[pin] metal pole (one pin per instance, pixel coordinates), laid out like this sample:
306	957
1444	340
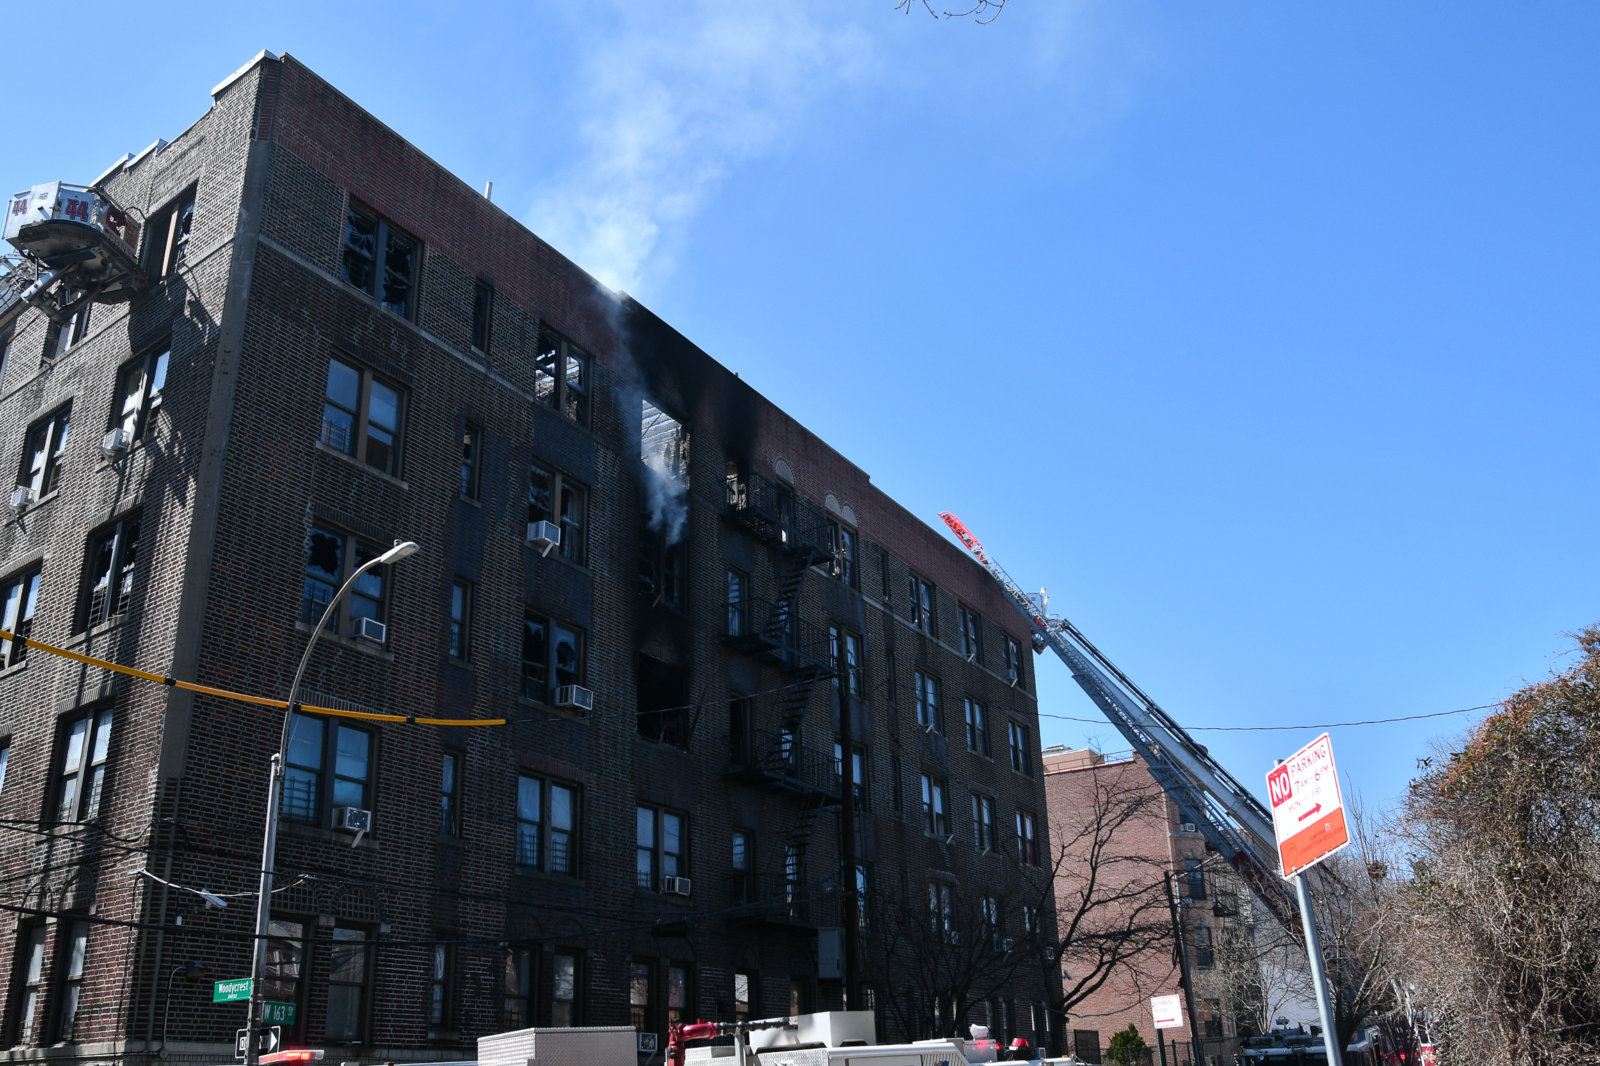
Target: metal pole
1161	1045
269	836
1319	980
1183	964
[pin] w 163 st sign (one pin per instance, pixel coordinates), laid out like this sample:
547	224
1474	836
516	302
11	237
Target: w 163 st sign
1307	811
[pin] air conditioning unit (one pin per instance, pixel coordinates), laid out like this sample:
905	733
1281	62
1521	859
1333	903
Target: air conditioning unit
1188	827
1004	943
544	536
675	886
114	445
575	696
647	1043
372	629
352	819
21	496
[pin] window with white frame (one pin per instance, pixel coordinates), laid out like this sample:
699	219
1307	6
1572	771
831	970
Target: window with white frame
927	696
547	825
43	452
20	597
1021	759
977	727
381	260
361	416
982	821
81	775
557	498
1027	839
662	840
330	765
348	974
921	595
935	813
971	636
140	384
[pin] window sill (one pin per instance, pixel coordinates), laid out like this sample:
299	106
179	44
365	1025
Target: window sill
399	483
554	711
335	836
36	504
14	668
575	880
100	628
350	643
555	556
471	501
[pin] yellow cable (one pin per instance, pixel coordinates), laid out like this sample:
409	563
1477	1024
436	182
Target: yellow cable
207	690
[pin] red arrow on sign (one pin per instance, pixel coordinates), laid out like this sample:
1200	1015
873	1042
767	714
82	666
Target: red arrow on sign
1309	813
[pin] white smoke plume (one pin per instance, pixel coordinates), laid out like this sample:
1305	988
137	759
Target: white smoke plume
675	97
662	446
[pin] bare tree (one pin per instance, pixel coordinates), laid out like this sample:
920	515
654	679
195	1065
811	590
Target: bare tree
981	11
1112	917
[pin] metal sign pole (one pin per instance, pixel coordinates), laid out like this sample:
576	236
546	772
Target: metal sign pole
1319	979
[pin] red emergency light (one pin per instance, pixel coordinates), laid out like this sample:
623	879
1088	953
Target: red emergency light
298	1055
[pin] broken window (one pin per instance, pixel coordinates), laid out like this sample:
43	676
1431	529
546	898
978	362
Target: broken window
166	241
561	376
552	656
380	260
664	458
108	578
663	702
842	542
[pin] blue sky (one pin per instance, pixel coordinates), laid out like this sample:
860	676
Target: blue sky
1262	334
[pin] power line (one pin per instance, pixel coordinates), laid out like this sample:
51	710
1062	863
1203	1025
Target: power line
1283	728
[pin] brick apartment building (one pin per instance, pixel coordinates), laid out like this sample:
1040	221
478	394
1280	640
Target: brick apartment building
1144	841
341	345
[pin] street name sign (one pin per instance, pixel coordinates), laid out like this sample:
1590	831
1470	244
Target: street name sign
235	990
1307	810
277	1013
1168	1011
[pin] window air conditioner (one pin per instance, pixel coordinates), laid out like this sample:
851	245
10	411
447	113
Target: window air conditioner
372	629
21	497
544	536
675	886
1003	944
575	696
114	445
647	1043
352	819
1188	827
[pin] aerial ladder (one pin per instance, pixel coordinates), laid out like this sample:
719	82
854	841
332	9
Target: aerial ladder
1233	821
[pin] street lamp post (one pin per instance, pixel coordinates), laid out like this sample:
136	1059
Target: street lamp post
269	837
192	971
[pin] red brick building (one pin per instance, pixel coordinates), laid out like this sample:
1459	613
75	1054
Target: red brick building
644	566
1143	841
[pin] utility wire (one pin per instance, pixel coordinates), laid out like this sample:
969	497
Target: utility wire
264	701
1280	728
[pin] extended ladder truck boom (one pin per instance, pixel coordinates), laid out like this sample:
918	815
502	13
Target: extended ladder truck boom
1232	820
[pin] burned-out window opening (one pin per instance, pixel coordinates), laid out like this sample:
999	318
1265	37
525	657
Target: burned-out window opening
482	312
65	334
381	260
664	460
166	236
108	575
664	712
331	557
561	376
552	656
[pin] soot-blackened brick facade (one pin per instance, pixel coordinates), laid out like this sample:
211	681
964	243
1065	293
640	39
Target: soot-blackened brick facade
674	850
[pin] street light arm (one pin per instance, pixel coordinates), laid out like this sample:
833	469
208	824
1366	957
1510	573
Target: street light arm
269	843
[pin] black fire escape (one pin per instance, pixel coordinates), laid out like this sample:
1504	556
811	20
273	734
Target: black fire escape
768	749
